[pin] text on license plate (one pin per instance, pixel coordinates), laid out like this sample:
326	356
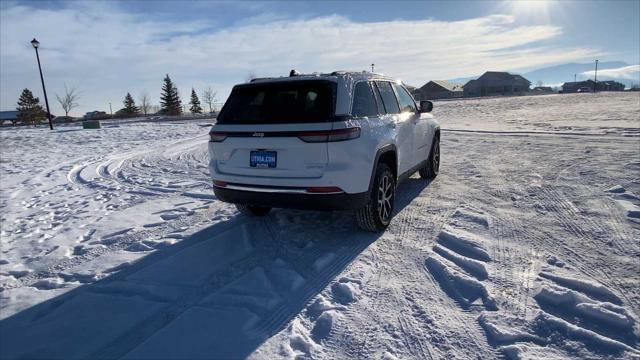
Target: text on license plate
263	159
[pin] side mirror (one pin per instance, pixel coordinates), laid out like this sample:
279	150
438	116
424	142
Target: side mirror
426	106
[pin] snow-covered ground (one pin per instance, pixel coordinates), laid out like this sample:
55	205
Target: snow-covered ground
527	245
585	113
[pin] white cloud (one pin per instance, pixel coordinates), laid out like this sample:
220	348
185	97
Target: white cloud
106	52
631	72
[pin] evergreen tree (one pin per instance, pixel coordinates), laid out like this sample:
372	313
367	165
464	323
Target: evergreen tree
29	109
195	103
170	103
130	107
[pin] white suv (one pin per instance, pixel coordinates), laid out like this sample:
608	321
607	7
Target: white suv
322	142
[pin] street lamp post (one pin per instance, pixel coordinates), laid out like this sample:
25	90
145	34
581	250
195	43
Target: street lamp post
372	65
595	79
35	43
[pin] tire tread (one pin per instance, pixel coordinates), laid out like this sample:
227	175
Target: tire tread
366	217
426	172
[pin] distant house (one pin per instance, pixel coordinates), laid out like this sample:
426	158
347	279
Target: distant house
11	116
494	83
438	89
410	88
542	90
608	85
95	115
573	86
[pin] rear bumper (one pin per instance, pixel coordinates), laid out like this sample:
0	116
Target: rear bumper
340	201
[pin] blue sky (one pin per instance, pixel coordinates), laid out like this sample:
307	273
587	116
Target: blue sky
106	49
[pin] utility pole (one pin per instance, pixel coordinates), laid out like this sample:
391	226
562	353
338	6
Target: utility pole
574	77
110	110
595	78
372	65
35	43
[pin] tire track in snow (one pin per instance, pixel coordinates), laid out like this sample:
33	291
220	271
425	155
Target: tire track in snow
114	169
622	237
121	242
452	310
565	213
428	228
355	338
505	227
559	209
425	350
263	254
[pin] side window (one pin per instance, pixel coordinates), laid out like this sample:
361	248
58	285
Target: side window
363	101
406	101
376	93
388	97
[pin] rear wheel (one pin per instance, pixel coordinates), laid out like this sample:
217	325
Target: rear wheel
251	210
432	167
376	215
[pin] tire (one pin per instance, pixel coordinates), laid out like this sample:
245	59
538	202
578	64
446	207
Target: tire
250	210
432	168
376	215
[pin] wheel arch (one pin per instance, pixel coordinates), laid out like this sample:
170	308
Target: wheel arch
387	154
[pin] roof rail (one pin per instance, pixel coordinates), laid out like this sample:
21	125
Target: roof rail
262	78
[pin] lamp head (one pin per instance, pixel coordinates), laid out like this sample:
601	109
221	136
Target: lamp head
35	43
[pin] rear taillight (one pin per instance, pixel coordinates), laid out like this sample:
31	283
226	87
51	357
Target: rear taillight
330	135
324	189
217	136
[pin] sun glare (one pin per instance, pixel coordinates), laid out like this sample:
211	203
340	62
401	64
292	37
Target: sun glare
534	9
531	4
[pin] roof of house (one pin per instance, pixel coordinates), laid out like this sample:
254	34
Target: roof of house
590	81
498	76
611	82
409	87
446	84
470	83
578	83
8	115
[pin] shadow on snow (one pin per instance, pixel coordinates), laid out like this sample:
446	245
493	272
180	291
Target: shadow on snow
219	293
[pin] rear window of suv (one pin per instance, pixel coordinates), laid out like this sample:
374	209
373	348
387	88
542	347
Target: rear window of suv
279	103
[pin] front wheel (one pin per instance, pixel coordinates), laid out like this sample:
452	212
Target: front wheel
253	210
376	215
432	167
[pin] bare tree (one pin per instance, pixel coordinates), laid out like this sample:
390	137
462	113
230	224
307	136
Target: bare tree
539	83
69	100
250	76
209	97
144	102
